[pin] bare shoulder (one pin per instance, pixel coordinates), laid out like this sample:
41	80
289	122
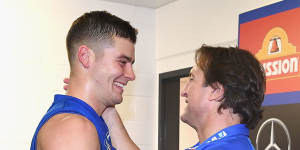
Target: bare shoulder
68	131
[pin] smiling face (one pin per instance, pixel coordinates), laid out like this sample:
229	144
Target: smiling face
112	70
197	97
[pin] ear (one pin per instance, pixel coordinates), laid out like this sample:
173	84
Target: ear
84	55
217	92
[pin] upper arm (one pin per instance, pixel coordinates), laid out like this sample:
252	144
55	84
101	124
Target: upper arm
68	132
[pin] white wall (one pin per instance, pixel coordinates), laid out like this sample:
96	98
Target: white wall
184	25
34	62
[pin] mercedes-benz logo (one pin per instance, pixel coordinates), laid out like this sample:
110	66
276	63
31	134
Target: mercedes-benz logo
272	143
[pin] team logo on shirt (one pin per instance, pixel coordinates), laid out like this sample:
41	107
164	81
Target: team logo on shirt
269	125
279	57
218	136
107	141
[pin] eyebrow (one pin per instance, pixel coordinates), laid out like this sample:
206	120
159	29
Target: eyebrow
129	59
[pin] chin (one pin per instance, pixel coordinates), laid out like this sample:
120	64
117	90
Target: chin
118	101
183	118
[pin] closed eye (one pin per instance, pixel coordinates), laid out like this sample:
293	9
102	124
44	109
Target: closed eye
191	77
123	62
126	59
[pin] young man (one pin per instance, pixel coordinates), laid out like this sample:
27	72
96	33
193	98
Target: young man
101	54
224	97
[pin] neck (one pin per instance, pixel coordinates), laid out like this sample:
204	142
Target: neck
79	87
216	123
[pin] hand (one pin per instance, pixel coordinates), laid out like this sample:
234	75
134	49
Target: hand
66	81
119	137
110	116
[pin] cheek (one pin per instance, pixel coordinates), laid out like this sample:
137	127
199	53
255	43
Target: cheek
116	69
109	72
192	105
195	100
193	94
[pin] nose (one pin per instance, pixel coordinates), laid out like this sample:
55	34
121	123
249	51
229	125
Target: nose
183	93
129	73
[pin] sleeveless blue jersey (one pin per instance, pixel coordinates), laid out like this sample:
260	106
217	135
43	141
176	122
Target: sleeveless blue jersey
69	104
231	138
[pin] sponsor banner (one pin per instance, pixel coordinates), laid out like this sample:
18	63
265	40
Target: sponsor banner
278	128
272	34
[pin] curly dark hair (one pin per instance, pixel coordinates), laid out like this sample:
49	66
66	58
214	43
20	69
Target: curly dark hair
242	77
97	26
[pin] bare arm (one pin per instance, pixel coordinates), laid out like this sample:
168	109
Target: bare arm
68	131
119	136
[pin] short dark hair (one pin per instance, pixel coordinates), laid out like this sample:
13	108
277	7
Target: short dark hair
97	26
242	77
